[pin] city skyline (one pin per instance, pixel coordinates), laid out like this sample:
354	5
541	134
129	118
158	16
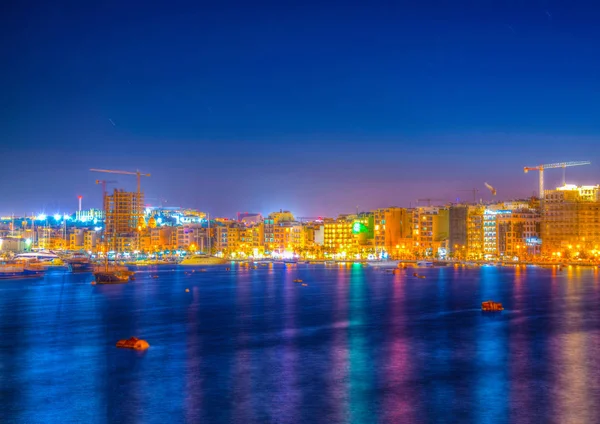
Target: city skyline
334	107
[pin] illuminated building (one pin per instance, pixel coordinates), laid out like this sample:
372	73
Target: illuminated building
571	220
121	224
518	233
348	234
392	229
475	232
288	236
274	219
89	215
457	228
313	234
490	247
430	229
250	218
76	239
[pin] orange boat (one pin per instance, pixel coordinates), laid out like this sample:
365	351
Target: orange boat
133	343
491	306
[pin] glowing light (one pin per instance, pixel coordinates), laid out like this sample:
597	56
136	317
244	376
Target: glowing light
57	217
66	217
41	217
28	242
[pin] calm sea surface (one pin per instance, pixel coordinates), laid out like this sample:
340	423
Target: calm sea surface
356	345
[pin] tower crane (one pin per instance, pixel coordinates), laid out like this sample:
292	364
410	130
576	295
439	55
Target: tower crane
103	183
541	169
138	174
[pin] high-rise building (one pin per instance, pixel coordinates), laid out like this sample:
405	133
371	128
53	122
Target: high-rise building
571	220
457	242
475	232
430	229
348	234
392	229
122	211
518	233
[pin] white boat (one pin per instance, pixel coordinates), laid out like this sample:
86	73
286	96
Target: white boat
424	263
40	255
383	264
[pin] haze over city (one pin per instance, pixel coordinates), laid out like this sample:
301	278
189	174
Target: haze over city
237	106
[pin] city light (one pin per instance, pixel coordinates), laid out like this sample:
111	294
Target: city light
41	217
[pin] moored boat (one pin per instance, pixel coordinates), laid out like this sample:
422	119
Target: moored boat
79	262
15	271
383	264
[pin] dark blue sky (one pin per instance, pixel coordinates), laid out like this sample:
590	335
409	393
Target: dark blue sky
317	108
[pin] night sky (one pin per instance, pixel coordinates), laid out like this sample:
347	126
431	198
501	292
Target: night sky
316	108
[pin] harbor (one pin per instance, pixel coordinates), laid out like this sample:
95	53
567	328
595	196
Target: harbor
346	338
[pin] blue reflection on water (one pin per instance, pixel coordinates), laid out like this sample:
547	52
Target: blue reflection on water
353	345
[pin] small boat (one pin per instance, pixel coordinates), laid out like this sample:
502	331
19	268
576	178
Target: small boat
418	276
424	263
15	271
297	280
79	262
491	306
383	264
112	277
133	343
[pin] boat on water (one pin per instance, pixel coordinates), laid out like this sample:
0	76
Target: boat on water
203	260
425	263
148	262
16	270
79	262
112	277
491	306
383	264
40	259
39	255
112	274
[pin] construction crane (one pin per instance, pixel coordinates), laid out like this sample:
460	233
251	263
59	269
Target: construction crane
138	174
541	168
429	201
103	183
491	189
474	191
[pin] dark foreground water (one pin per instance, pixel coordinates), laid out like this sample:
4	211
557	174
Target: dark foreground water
354	346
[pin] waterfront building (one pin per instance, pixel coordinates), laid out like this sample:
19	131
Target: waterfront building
475	232
392	227
349	235
517	233
458	232
490	246
122	222
571	221
430	229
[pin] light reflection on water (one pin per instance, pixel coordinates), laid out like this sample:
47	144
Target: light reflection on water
354	345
